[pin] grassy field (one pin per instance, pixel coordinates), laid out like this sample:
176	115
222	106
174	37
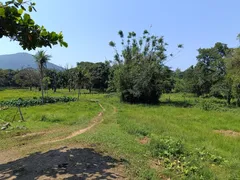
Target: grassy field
178	138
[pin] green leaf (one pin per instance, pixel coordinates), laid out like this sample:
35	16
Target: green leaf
20	11
65	44
20	1
2	12
26	17
31	22
112	44
44	33
29	8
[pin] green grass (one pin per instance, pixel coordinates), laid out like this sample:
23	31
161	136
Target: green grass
194	127
67	117
181	118
8	94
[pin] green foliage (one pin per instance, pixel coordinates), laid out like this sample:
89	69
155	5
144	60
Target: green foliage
207	105
18	25
165	147
141	76
35	101
233	73
176	158
98	75
27	78
7	78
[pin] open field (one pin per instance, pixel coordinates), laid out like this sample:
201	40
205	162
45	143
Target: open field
202	141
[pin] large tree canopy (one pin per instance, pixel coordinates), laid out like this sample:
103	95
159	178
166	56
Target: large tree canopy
141	76
17	24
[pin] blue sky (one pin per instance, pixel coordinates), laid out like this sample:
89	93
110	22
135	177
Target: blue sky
88	26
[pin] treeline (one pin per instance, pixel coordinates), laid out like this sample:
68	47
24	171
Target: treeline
217	73
86	75
140	75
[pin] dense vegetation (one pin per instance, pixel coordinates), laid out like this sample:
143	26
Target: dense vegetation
143	77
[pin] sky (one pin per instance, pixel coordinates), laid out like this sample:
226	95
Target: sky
89	25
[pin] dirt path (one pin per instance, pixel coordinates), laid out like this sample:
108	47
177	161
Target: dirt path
72	162
94	122
76	161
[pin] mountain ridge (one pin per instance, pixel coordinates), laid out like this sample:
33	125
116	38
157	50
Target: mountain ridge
23	60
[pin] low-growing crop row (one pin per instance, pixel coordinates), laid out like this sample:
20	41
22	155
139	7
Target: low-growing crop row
35	101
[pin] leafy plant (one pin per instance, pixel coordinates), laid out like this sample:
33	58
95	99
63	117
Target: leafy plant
34	102
175	157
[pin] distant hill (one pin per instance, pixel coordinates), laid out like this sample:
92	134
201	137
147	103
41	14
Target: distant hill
21	61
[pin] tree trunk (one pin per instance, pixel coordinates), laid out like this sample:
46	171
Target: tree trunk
229	97
78	93
238	102
41	83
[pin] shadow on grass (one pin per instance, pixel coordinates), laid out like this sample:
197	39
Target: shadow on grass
176	104
62	163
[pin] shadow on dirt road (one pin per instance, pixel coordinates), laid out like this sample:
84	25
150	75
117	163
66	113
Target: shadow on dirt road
64	163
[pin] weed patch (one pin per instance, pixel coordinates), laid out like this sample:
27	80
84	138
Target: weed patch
175	157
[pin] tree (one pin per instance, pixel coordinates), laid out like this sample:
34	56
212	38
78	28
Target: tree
18	25
42	58
98	75
27	78
233	73
7	78
53	78
46	82
81	78
178	81
211	67
141	76
190	78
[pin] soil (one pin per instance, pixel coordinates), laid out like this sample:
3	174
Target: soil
96	120
64	163
229	133
73	162
144	140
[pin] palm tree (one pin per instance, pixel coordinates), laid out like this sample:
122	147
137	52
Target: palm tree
42	58
81	78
